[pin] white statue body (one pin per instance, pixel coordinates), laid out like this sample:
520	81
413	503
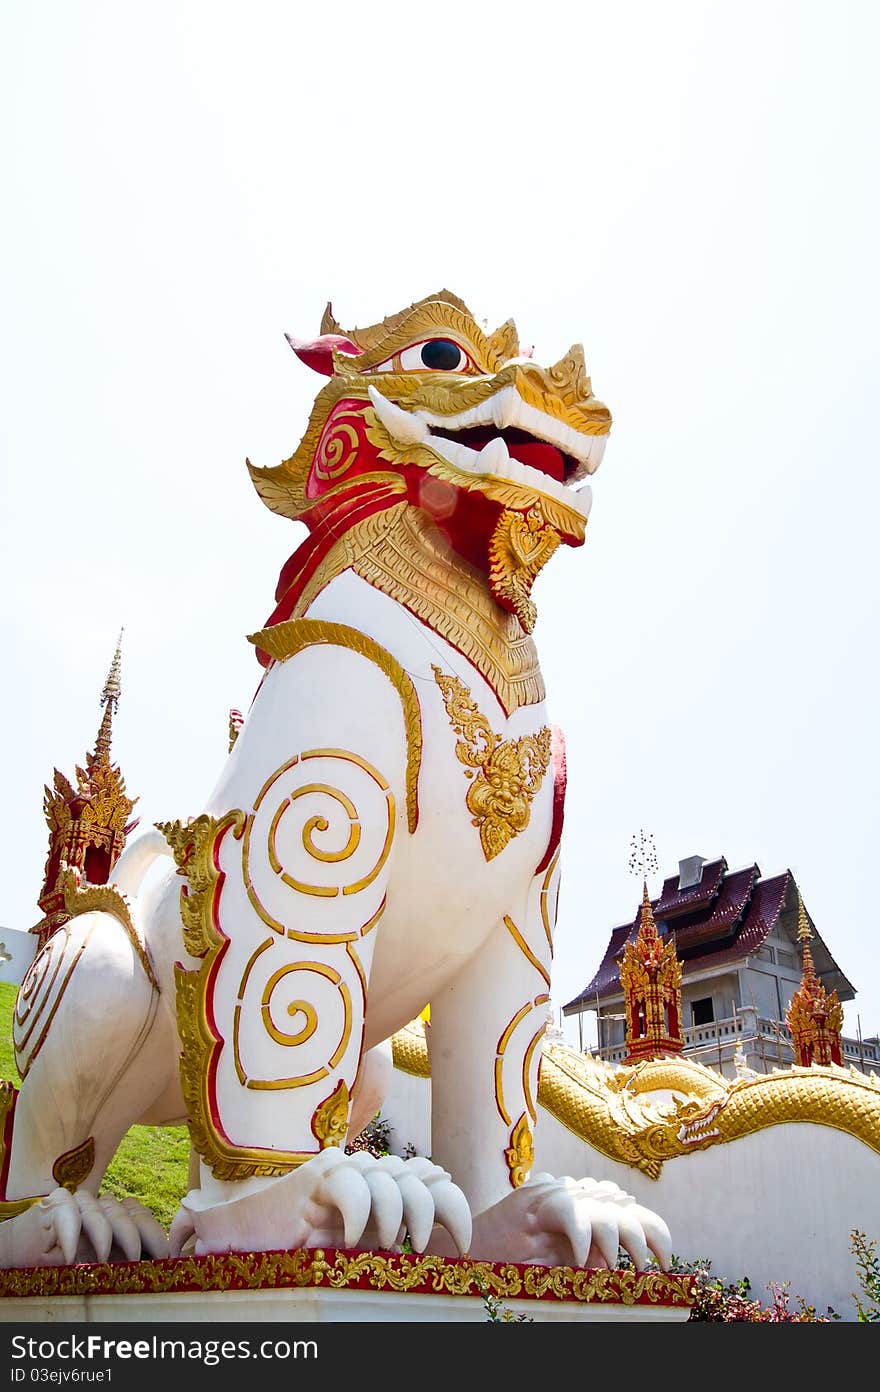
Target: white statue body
383	837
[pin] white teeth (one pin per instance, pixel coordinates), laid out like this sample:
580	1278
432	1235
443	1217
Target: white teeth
454	453
507	409
584	499
404	427
597	449
494	457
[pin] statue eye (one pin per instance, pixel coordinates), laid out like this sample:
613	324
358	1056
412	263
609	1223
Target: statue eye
435	355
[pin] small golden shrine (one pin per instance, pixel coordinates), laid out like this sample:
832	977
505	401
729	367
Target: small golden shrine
88	825
650	975
814	1015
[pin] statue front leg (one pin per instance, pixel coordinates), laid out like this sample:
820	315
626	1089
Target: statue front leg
283	899
485	1044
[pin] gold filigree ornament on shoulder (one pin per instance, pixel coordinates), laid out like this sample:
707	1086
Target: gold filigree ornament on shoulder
505	774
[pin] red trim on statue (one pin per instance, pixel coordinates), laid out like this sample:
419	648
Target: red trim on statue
560	776
6	1142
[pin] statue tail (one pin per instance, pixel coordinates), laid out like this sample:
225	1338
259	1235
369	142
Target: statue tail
137	858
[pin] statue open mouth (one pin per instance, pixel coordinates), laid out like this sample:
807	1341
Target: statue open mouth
503	438
532	453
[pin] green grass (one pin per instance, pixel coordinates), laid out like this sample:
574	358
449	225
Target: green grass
151	1162
151	1165
8	1069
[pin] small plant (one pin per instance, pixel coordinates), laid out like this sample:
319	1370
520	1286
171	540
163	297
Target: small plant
375	1138
868	1271
496	1311
717	1301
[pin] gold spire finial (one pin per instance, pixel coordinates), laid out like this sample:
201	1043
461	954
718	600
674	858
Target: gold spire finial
804	931
110	694
647	924
804	935
113	685
814	1015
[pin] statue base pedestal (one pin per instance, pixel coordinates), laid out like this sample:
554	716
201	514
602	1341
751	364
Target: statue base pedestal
319	1285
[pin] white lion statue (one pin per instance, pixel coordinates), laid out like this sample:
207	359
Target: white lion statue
383	837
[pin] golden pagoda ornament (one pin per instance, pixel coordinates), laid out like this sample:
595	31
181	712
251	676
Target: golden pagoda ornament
88	824
650	975
814	1015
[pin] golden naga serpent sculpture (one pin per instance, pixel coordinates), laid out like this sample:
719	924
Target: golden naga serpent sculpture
617	1112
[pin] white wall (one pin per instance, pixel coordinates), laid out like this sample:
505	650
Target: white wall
778	1205
17	949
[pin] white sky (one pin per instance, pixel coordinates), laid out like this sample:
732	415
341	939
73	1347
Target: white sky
690	190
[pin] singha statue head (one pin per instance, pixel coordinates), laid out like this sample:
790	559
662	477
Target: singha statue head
429	409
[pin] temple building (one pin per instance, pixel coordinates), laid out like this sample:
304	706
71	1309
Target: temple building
757	989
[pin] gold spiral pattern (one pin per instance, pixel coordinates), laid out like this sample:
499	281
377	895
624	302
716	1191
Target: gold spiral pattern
321	824
316	829
285	994
337	450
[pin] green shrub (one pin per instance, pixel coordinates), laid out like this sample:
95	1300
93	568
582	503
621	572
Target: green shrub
868	1273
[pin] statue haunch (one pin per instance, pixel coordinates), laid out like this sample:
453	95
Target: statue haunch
384	836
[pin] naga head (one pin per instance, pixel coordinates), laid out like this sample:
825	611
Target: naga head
428	408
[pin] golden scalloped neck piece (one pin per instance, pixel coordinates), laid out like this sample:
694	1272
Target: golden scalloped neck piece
401	552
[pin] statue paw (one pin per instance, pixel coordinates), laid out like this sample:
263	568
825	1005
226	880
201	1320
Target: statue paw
64	1228
353	1201
565	1222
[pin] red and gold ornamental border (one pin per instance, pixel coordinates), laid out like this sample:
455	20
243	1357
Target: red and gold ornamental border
365	1271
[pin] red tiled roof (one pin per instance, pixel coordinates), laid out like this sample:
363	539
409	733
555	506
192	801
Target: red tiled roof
607	978
723	916
674	901
766	905
736	917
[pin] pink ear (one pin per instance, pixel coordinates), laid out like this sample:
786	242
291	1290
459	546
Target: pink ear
317	353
